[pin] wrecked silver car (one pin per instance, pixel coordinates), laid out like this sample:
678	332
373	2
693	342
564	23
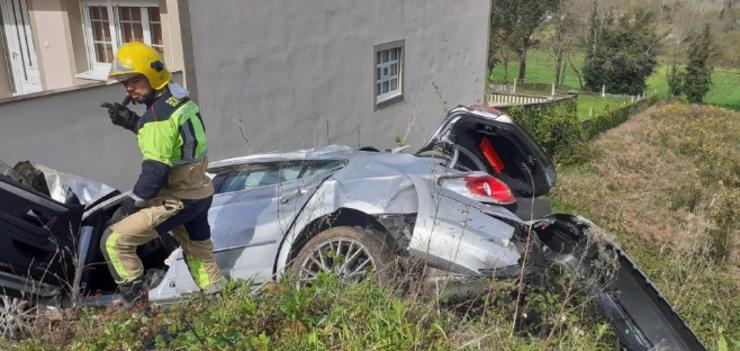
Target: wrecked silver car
464	204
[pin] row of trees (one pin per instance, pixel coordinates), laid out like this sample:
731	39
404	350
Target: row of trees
621	40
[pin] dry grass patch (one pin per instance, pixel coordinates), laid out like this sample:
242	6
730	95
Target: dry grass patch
666	182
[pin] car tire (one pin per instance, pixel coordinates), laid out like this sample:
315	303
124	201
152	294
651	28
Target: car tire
351	253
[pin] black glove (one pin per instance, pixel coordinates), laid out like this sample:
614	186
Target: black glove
120	115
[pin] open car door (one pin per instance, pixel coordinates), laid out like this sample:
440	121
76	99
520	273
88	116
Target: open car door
37	236
483	139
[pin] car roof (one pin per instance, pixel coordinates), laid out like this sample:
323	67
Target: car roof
328	152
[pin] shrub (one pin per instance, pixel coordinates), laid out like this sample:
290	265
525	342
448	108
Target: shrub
614	117
553	125
698	78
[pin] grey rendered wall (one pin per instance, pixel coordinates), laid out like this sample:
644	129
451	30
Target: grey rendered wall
280	74
69	131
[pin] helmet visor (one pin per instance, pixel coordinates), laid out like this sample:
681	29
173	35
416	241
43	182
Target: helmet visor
121	72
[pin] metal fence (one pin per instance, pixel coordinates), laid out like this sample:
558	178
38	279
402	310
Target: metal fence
499	99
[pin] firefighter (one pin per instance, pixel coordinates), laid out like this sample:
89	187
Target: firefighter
172	193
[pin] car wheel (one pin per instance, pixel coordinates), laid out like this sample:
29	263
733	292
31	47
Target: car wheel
351	253
17	317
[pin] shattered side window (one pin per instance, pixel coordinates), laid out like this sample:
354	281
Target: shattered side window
322	166
264	174
261	174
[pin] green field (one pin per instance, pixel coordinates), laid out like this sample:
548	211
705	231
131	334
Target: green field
598	103
725	90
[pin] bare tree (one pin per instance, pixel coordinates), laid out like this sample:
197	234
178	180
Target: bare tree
515	21
560	37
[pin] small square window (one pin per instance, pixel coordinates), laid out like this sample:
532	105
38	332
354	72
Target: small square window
388	72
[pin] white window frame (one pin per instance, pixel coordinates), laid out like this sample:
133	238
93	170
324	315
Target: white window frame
98	70
382	73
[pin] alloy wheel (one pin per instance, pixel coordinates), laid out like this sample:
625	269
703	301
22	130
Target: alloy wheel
349	259
17	317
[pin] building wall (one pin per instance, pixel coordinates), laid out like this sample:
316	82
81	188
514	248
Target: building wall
281	75
60	43
171	34
53	41
273	75
69	131
5	84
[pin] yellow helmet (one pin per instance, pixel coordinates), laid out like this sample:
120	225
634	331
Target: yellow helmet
138	58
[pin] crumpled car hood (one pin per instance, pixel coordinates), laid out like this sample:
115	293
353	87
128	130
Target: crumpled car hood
62	184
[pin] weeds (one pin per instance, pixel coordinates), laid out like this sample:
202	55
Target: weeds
665	182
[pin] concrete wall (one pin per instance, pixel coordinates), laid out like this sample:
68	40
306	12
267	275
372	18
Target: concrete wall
286	74
69	131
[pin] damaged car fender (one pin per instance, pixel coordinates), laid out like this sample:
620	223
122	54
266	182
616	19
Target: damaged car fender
460	235
388	193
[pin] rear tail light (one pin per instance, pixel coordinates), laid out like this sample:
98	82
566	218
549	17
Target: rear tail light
481	187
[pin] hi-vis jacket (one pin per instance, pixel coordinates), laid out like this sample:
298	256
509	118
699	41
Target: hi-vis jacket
172	140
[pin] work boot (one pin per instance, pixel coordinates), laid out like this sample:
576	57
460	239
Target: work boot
216	287
131	293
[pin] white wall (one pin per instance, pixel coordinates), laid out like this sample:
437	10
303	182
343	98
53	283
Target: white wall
284	70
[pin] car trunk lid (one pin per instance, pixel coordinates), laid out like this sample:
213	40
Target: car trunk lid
484	139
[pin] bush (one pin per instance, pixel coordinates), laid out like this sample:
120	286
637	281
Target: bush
698	78
612	118
554	125
711	141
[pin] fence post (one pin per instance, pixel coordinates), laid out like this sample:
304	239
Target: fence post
516	82
603	90
553	89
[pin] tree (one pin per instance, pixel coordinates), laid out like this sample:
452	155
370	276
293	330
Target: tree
622	52
514	22
560	35
698	71
675	79
500	52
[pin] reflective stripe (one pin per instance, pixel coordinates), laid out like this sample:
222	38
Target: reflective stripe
200	118
198	271
110	246
189	142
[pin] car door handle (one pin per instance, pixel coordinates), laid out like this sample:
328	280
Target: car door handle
287	198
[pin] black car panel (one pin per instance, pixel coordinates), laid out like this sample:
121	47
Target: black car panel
36	233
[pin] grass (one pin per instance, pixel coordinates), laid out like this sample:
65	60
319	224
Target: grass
667	185
599	104
540	68
725	90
